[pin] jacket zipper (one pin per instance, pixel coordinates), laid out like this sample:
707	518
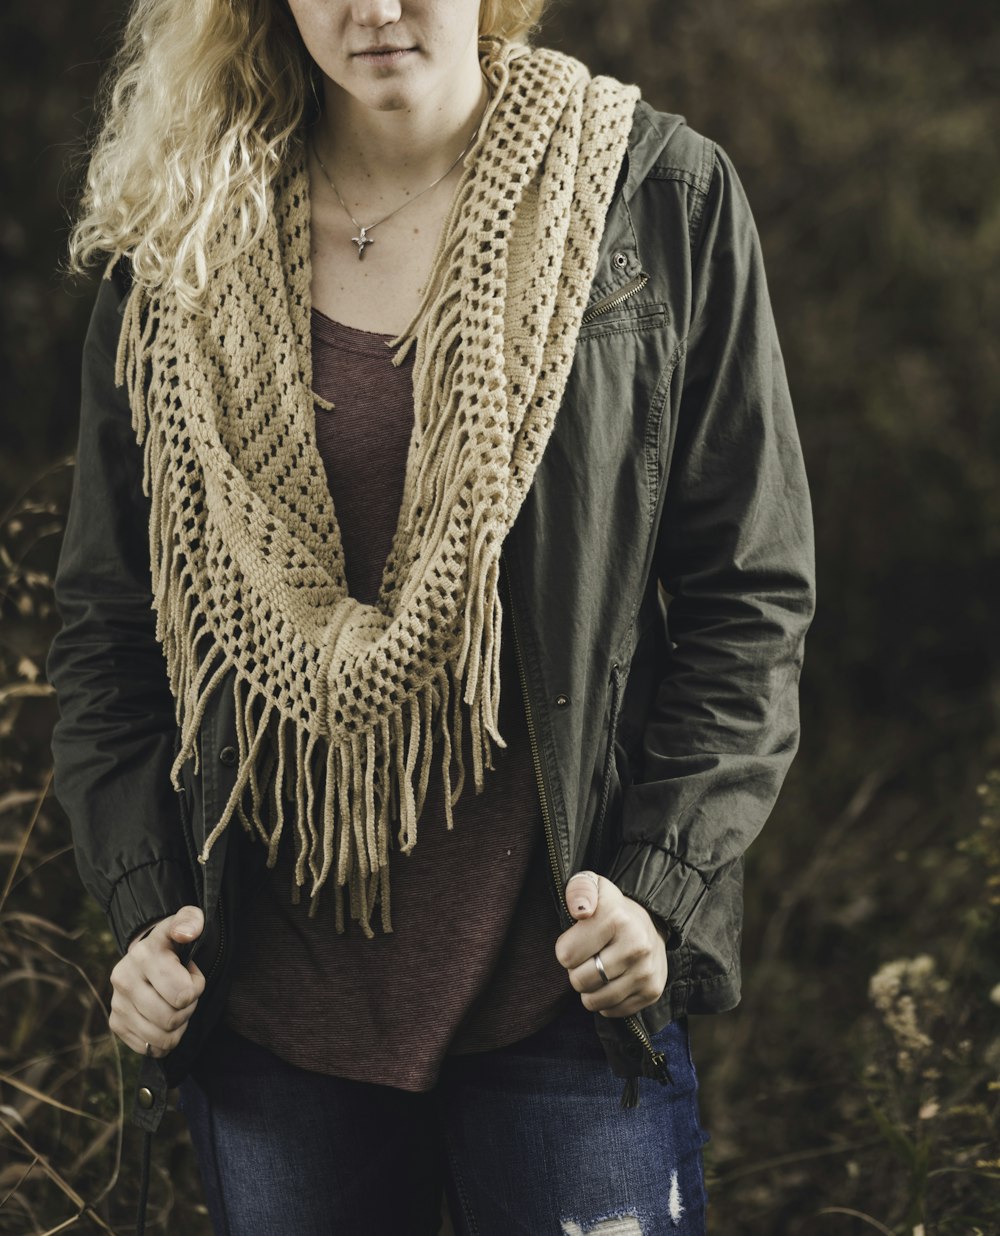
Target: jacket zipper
195	947
533	741
633	1022
188	830
615	299
608	758
222	939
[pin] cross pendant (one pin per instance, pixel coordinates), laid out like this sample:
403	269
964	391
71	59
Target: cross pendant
361	241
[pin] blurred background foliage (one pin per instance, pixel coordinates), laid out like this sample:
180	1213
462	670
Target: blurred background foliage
857	1085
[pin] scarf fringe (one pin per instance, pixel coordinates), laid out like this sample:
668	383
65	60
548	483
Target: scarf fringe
360	819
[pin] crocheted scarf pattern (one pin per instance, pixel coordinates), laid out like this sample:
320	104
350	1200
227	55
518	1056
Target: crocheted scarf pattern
341	706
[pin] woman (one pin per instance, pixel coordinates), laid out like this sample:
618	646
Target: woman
426	370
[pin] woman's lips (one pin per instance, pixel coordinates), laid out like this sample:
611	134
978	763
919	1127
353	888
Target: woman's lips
383	57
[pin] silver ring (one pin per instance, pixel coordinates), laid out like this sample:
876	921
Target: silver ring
600	967
148	1050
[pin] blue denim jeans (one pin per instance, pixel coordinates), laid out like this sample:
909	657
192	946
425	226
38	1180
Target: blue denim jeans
529	1138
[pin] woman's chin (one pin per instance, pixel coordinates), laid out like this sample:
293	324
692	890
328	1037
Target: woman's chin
384	91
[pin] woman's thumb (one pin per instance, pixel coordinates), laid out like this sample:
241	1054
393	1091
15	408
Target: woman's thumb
582	892
188	923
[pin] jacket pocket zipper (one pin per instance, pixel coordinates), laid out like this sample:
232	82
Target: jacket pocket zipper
658	1058
615	299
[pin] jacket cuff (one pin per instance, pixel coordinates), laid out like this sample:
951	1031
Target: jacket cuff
147	893
668	888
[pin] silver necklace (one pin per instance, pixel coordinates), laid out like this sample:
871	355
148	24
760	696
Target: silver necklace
363	239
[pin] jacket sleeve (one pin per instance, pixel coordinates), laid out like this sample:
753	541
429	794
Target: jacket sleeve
734	551
113	743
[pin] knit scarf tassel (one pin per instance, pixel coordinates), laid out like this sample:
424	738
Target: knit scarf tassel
341	708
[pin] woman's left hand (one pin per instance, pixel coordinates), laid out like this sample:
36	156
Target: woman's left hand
633	950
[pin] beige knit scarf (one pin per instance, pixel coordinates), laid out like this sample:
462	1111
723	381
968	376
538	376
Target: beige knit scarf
341	705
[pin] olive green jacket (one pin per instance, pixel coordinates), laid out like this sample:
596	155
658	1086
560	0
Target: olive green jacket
658	583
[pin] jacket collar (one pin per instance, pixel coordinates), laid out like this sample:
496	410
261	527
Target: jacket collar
650	133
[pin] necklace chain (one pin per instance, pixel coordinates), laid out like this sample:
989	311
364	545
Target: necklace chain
363	239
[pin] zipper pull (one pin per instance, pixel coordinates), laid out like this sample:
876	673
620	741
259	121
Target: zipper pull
661	1073
630	1095
661	1067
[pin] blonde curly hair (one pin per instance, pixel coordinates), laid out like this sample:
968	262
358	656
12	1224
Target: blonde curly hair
195	116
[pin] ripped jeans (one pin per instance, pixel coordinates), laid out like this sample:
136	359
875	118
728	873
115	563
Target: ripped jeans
526	1139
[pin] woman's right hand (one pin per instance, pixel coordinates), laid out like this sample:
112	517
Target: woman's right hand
154	994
